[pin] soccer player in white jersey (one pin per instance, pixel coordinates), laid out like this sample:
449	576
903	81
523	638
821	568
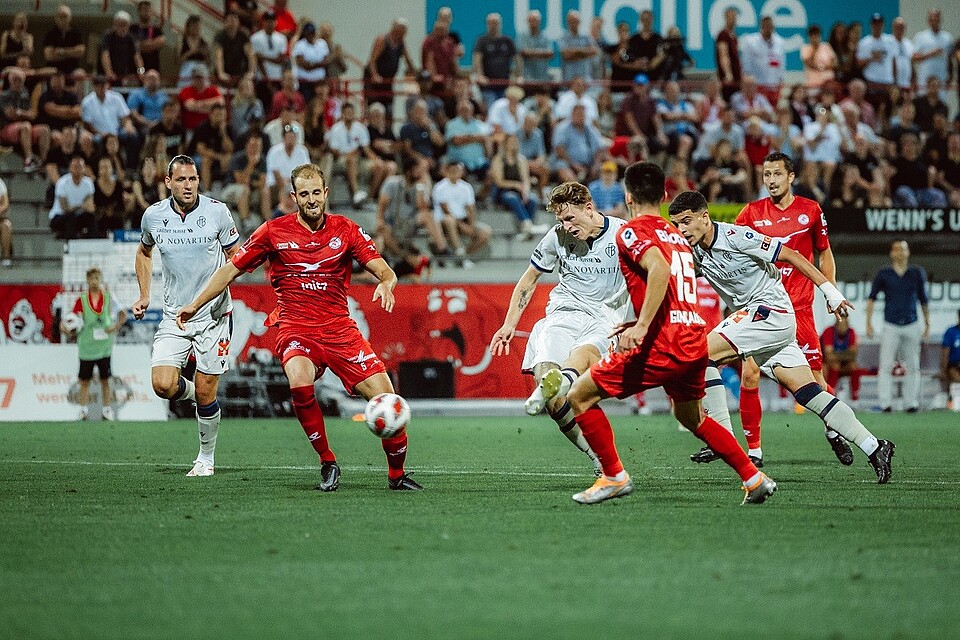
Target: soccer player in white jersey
195	236
583	310
738	262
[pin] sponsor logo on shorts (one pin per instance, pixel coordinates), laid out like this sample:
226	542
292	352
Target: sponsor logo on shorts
295	345
335	243
223	347
362	359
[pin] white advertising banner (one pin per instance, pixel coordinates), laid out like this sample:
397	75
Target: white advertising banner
39	382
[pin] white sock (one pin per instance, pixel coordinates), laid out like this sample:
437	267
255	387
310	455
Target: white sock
186	390
836	415
753	479
208	425
620	477
756	453
715	401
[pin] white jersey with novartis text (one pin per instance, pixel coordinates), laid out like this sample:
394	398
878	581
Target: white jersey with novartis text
191	250
590	277
739	265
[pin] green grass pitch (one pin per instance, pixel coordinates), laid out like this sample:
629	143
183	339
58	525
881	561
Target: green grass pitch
102	536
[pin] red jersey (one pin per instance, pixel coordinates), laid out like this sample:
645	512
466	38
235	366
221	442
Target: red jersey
802	227
309	270
192	119
677	331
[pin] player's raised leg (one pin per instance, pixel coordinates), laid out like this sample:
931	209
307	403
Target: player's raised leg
394	448
301	374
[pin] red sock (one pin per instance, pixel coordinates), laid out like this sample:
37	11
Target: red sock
832	377
855	383
726	446
830	387
598	433
751	414
311	419
396	450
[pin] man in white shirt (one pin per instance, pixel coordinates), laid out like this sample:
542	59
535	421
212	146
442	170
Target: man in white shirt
903	60
105	111
349	143
282	159
72	209
577	94
270	50
454	210
310	60
875	57
763	55
507	114
931	51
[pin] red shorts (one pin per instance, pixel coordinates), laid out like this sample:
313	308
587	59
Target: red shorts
809	339
10	134
625	374
346	353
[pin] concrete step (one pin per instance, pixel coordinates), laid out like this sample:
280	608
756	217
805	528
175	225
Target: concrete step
27	216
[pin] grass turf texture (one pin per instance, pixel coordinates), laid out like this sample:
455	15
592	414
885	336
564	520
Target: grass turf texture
102	536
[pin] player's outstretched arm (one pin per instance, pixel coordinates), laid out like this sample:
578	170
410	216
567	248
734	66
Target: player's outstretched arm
519	299
658	278
388	280
836	303
218	282
143	266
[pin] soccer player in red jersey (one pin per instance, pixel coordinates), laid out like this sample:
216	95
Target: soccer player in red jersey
666	346
310	256
800	223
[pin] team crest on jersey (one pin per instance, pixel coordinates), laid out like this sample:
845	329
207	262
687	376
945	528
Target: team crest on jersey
803	219
201	221
335	243
610	250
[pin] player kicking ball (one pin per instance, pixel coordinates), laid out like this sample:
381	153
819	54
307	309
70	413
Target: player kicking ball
739	263
310	257
582	311
665	346
195	236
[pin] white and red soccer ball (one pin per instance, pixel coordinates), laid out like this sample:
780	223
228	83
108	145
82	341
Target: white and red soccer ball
387	414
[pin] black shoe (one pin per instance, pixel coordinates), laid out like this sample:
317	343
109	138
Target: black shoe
404	483
842	450
912	409
887	410
704	455
880	461
757	461
329	476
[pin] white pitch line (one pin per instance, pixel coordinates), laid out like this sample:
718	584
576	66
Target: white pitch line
424	470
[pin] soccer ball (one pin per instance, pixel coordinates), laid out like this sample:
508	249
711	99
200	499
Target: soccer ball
73	322
387	414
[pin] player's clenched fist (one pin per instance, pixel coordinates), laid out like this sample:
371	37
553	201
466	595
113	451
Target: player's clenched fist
184	315
140	307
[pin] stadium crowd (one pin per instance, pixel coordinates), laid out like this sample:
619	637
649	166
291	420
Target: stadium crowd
868	125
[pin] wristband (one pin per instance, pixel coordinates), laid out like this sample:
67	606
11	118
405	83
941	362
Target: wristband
830	291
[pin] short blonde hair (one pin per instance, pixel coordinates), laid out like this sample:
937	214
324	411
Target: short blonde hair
568	194
306	171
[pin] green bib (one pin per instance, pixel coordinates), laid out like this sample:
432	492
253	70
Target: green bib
93	341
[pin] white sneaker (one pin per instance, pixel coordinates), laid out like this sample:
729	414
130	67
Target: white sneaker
359	197
108	414
6	262
201	468
83	413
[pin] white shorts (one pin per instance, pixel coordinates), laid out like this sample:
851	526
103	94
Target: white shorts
555	336
208	340
767	335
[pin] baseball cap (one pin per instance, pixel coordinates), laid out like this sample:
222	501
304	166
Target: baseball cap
641	78
877	17
122	15
609	165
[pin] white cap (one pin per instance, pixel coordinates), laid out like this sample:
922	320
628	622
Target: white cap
122	15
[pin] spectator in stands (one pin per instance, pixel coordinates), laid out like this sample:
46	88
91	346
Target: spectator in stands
436	108
194	51
420	137
170	129
577	94
839	345
606	117
507	114
63	46
72	213
728	130
198	99
384	64
155	146
535	51
757	143
288	98
749	102
149	36
901	125
455	213
348	146
404	207
286	21
248	170
247	10
211	147
110	149
930	103
438	53
58	160
463	89
679	179
932	51
6	228
807	184
638	118
311	55
903	61
724	178
599	69
622	64
838	42
233	56
680	121
846	190
903	287
384	145
58	108
533	148
786	136
467	139
16	41
764	56
875	56
120	59
270	49
577	148
337	59
849	67
913	180
541	105
607	192
857	96
822	143
949	363
244	108
108	203
803	105
146	102
727	52
493	60
512	187
676	58
710	104
315	124
17	117
645	47
935	146
871	171
148	188
446	14
282	159
948	170
852	128
576	51
819	59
